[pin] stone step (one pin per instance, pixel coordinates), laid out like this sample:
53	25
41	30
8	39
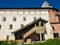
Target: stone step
19	43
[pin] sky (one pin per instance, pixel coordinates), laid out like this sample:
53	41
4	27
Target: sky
27	3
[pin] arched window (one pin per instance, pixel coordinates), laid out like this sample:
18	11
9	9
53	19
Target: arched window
0	26
4	18
53	28
34	18
10	26
22	25
42	24
7	37
59	18
24	18
37	24
14	18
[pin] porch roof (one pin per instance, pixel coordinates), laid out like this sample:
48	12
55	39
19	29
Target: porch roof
37	20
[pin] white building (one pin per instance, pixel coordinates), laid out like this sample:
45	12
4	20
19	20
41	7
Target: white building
13	20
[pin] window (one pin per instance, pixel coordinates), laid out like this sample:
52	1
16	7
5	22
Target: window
4	18
0	26
22	25
42	24
11	26
59	18
53	28
55	35
14	19
24	18
7	37
34	18
37	24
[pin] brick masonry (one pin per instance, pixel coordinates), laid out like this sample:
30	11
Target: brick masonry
53	18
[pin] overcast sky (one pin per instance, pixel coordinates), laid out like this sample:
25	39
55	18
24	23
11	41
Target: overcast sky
27	3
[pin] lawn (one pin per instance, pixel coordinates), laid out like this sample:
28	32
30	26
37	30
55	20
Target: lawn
8	43
55	41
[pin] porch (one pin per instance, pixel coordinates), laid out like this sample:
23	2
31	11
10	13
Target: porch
34	31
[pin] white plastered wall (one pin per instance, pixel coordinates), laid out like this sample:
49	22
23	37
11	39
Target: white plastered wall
19	14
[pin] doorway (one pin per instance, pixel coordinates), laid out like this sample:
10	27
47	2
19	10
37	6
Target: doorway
55	35
42	36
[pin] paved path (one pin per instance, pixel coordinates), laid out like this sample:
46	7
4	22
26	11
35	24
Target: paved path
19	43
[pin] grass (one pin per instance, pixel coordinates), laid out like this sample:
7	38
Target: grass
55	41
8	43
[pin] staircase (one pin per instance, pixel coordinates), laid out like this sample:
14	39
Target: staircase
38	29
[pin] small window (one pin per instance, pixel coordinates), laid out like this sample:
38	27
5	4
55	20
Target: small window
11	26
0	26
42	24
55	35
59	18
34	18
24	18
7	37
22	25
37	24
4	18
14	19
53	28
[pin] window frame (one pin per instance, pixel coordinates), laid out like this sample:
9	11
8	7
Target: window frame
59	18
14	19
22	25
10	26
24	18
4	18
0	27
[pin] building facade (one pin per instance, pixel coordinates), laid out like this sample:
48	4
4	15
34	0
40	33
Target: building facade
28	23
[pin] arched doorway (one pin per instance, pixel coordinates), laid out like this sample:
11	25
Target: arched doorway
55	34
53	28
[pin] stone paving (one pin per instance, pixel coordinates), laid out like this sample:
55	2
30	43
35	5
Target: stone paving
19	43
